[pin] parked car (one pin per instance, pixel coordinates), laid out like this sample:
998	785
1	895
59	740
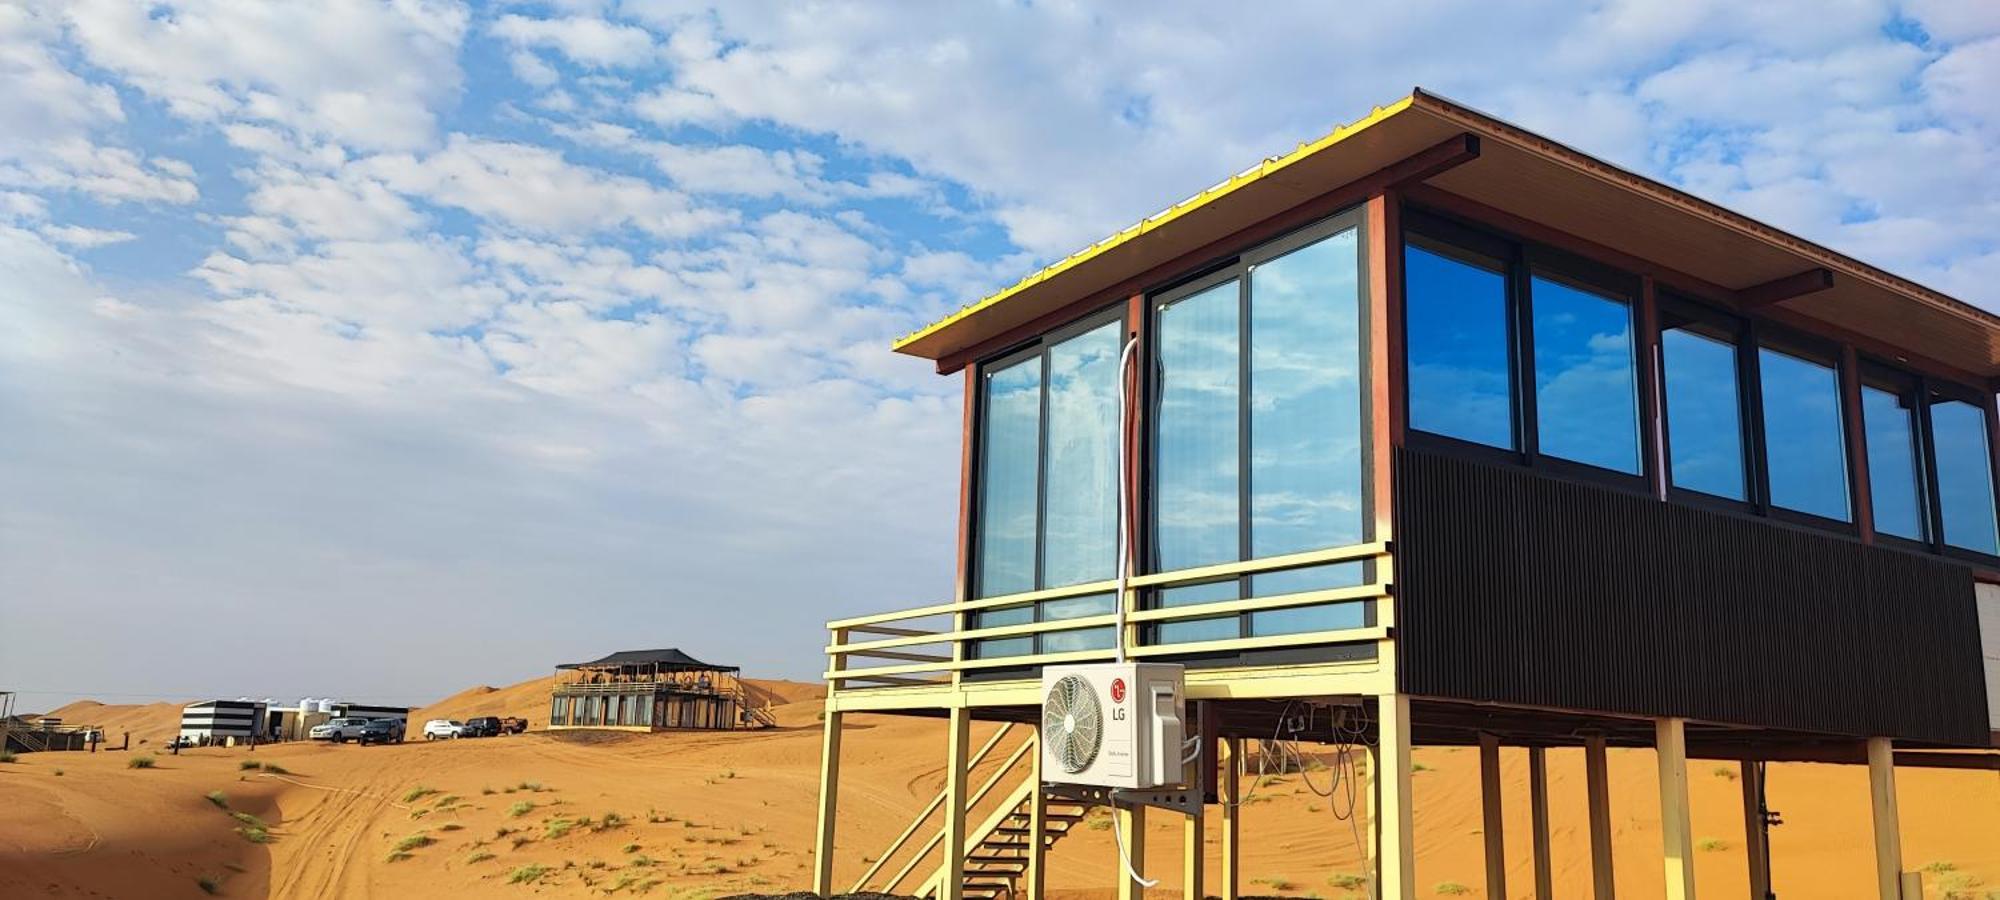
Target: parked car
443	729
338	730
382	731
511	725
483	726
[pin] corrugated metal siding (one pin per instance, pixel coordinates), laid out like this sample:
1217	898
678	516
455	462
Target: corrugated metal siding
1519	588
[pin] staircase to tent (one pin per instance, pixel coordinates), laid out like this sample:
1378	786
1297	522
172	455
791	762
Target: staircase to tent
997	848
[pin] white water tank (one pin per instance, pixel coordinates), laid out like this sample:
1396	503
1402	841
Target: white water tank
305	704
326	706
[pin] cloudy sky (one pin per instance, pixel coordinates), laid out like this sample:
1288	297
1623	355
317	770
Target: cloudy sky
385	349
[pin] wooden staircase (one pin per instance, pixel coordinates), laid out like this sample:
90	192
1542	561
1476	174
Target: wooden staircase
997	849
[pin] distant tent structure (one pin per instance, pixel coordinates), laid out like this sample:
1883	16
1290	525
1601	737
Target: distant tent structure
650	690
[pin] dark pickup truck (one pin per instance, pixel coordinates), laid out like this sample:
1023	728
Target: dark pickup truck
484	726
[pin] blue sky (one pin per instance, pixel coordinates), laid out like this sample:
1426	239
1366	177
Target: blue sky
381	349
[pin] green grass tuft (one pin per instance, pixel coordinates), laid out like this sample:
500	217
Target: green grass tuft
248	765
140	762
557	828
414	841
418	793
1347	881
1711	845
220	799
398	856
7	756
479	857
527	874
1451	888
520	808
275	769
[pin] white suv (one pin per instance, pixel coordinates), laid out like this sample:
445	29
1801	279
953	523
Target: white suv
442	728
338	730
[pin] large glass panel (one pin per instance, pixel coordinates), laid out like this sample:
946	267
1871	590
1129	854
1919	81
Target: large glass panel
1310	578
1704	422
1586	400
990	648
1964	475
1301	619
1079	639
1895	473
1803	443
1456	342
1305	399
1009	479
1198	420
1081	517
1185	631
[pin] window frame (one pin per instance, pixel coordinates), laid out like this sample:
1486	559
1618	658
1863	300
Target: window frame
1934	391
1520	262
1749	421
1036	348
1238	268
1818	351
1883	377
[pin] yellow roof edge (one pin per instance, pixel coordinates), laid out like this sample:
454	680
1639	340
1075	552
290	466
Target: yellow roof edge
1224	187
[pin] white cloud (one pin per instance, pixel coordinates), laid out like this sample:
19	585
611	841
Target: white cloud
590	41
107	173
366	74
84	238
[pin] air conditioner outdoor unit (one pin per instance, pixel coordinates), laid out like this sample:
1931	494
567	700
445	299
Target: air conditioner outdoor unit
1115	725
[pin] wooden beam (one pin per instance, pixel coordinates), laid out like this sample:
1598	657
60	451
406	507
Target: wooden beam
1383	351
959	734
1396	857
1231	790
1755	851
1132	827
1676	837
1492	823
1410	170
829	788
1888	831
1538	814
1597	787
1037	878
1860	495
1193	872
1778	290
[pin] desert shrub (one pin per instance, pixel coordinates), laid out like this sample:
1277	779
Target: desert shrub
220	799
1711	845
414	841
397	856
1723	772
629	848
450	826
557	828
140	762
520	808
7	756
209	884
1452	888
275	769
527	874
418	793
481	856
256	834
248	765
1348	881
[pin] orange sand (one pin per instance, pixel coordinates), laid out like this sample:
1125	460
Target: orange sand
723	813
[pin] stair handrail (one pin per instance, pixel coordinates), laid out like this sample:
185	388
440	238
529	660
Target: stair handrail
897	844
937	837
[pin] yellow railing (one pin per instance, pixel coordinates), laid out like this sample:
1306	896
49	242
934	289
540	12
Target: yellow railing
909	655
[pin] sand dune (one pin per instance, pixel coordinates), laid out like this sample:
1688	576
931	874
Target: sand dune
729	812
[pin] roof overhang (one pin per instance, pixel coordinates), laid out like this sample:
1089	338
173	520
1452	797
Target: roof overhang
1723	256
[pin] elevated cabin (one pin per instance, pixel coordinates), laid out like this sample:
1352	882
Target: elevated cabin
1469	439
649	690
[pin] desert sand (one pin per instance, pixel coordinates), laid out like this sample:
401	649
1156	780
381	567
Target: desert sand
710	814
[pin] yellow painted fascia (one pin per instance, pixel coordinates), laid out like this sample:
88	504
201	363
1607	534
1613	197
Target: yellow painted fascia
1159	219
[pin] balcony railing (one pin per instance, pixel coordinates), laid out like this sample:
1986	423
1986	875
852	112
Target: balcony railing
636	687
914	654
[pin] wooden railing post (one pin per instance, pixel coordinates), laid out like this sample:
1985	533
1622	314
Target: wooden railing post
1038	829
1396	859
1676	832
1597	782
951	884
1492	820
1888	828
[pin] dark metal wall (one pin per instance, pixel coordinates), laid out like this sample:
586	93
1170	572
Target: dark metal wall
1520	588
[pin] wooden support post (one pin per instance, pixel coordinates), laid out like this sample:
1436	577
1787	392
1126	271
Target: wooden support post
1597	781
1490	815
1232	797
1538	814
829	794
1396	858
1888	832
1132	827
1756	853
952	885
1202	769
1037	879
1676	835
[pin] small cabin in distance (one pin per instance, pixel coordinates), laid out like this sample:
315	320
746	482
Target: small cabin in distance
650	690
1465	438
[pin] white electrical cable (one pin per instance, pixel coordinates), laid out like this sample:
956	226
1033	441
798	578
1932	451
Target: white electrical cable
1124	503
1118	831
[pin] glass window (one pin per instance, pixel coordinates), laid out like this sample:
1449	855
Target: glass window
1310	578
1301	619
1456	340
1080	542
1895	473
1188	631
1199	391
1964	475
1009	479
1704	418
1805	449
1586	399
1305	399
996	617
1100	638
